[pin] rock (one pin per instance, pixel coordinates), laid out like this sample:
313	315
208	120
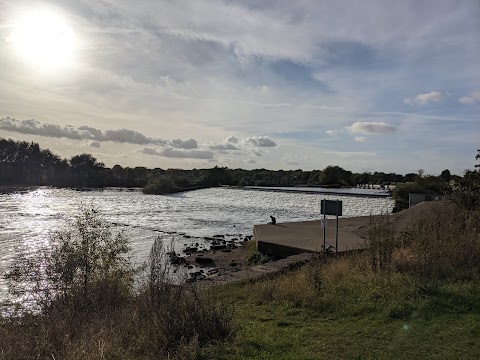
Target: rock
219	236
226	250
177	260
233	264
218	247
212	271
203	260
209	238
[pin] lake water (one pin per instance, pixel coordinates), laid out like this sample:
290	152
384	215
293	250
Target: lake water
28	217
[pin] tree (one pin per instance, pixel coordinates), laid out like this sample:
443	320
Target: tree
335	175
445	175
87	170
466	191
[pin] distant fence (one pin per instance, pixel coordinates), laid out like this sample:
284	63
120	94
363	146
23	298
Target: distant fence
414	199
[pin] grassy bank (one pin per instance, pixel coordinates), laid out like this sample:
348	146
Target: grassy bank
341	310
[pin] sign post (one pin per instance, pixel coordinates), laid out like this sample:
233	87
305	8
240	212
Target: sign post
330	207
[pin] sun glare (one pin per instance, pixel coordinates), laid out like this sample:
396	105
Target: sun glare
44	39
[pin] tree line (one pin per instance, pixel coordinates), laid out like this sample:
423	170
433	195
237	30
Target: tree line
25	163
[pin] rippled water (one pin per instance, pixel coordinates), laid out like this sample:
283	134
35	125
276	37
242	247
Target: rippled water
28	217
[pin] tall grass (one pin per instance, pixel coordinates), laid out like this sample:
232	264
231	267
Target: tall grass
158	320
345	284
442	241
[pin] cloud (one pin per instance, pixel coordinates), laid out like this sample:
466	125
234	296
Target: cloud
227	146
179	154
332	132
232	139
470	100
257	152
94	144
34	127
360	138
423	99
351	154
365	127
184	144
261	141
250	161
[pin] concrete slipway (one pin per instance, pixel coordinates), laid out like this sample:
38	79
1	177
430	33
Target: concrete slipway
285	239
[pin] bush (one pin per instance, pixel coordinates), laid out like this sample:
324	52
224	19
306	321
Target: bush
84	268
164	185
255	257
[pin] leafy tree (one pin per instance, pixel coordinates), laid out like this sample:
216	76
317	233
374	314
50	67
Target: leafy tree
335	175
445	175
466	191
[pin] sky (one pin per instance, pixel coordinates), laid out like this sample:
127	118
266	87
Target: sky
389	86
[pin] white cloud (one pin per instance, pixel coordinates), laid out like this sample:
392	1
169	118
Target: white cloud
470	100
257	152
261	141
94	144
225	146
180	154
360	138
184	144
365	127
332	132
250	161
423	99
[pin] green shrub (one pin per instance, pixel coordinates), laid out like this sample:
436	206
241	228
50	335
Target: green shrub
85	267
255	257
163	185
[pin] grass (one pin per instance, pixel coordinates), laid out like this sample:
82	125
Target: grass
391	317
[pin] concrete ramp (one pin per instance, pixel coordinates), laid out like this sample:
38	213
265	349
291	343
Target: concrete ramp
285	239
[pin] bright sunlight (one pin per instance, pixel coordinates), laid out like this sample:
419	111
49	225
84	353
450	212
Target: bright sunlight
44	39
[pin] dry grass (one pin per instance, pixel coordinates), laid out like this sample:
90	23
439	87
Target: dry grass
161	320
343	284
443	241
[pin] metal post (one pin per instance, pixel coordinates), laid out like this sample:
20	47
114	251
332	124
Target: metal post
324	225
336	234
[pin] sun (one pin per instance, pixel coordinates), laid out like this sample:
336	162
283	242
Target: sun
44	39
